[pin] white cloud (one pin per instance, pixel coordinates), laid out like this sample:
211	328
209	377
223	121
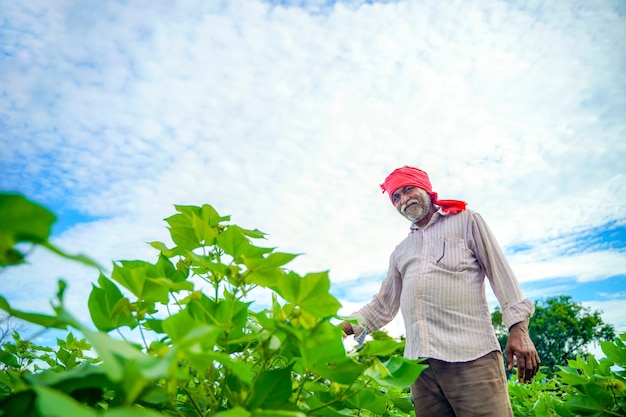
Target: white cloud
612	311
589	266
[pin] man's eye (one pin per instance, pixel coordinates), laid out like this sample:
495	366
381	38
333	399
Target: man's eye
408	188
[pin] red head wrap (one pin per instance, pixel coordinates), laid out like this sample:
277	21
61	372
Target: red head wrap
407	175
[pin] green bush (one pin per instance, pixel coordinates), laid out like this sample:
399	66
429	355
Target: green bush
586	387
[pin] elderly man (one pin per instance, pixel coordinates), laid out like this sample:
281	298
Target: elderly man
436	277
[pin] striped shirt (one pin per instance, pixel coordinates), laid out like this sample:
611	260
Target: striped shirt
436	277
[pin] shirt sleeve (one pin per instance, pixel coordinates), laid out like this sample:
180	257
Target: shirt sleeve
515	308
384	305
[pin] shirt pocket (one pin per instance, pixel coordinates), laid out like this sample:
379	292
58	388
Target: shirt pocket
450	253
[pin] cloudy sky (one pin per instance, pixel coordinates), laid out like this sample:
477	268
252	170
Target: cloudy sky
287	115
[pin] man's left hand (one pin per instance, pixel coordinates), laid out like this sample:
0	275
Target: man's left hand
522	348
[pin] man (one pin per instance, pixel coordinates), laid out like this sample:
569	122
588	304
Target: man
436	277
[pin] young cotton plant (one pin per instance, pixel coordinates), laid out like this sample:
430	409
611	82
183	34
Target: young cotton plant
208	352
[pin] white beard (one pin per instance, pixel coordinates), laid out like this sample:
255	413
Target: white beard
417	211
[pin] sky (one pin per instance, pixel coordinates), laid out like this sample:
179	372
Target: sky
287	115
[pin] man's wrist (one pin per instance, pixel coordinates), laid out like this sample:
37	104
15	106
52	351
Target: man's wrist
521	326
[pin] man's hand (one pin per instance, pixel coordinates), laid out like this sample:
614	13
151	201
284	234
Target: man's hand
347	328
522	348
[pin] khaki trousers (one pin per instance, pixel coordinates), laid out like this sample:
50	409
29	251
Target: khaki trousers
463	389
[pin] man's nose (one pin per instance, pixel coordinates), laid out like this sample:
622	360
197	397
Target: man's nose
404	198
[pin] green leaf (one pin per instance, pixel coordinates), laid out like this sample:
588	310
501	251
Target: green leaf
20	404
160	246
233	241
343	371
194	226
52	403
183	236
108	308
22	220
266	272
571	376
155	325
131	412
331	410
78	258
165	268
404	404
311	293
204	359
277	413
132	275
113	353
600	394
614	352
182	328
230	314
63	356
272	389
195	341
399	372
35	318
207	213
584	405
125	364
8	359
316	386
380	347
118	356
255	234
322	351
85	383
146	282
369	400
204	232
234	412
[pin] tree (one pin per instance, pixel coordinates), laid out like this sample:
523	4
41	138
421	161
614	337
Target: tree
561	330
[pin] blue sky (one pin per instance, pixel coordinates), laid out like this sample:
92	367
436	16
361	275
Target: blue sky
288	114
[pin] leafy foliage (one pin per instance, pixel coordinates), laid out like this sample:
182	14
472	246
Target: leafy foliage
585	387
561	330
204	352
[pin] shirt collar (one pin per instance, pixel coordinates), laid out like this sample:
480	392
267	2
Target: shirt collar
433	219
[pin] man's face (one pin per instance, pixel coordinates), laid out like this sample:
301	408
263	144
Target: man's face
412	202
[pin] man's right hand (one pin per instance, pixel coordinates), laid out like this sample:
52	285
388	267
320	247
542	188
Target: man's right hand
347	328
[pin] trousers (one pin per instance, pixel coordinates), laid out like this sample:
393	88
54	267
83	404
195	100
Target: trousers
463	389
